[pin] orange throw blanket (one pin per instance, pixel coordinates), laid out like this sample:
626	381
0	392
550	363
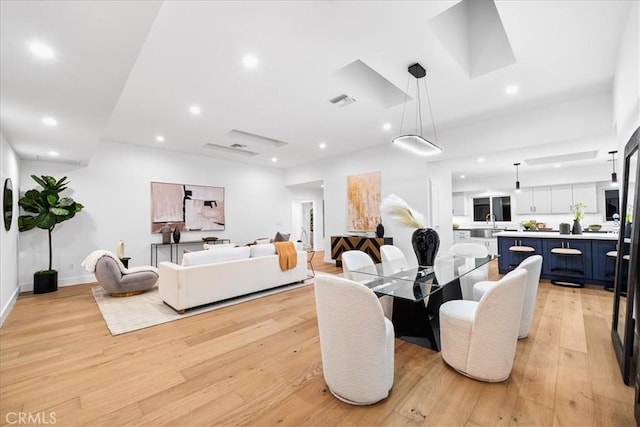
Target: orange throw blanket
287	255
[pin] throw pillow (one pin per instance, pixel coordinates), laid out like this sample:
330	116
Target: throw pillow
262	250
263	241
281	237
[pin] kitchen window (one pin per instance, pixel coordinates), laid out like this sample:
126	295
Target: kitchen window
498	206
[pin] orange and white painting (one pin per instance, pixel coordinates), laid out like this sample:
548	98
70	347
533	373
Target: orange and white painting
363	201
187	207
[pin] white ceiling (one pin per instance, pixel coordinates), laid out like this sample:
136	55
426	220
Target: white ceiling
128	71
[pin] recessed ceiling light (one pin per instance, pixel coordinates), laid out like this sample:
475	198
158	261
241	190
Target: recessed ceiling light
49	121
463	176
386	126
160	138
195	110
511	89
558	165
322	185
53	153
322	145
41	50
250	61
274	159
480	159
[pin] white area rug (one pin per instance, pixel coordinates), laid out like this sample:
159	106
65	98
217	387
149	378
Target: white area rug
147	309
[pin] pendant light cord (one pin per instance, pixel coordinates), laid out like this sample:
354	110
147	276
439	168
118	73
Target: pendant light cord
433	123
404	106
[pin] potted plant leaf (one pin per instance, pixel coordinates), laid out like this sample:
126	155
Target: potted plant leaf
45	208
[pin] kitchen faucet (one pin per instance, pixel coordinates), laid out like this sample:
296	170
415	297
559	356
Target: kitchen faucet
491	217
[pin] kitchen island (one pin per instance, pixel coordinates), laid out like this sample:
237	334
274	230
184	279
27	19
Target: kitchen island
592	266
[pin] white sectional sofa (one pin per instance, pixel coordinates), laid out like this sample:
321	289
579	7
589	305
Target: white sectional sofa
221	273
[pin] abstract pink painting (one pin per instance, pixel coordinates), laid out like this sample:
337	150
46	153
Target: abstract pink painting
187	207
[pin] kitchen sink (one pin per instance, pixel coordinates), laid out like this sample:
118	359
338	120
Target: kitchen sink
484	232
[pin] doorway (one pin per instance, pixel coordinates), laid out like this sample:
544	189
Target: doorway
306	220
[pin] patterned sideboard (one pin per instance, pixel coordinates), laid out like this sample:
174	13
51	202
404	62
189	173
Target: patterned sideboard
369	245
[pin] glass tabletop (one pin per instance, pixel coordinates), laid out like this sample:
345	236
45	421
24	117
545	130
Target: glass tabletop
416	283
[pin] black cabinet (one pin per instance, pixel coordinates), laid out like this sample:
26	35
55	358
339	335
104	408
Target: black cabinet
509	259
604	267
563	268
593	263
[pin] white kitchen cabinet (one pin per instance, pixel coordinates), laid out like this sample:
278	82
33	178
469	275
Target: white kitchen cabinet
490	243
587	194
565	197
459	204
561	199
533	200
461	236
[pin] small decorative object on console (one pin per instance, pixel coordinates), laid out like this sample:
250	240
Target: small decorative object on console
176	235
210	239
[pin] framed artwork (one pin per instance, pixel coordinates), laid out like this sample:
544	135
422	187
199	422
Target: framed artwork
363	201
187	207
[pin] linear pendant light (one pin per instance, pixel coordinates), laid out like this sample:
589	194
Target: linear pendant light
415	143
614	175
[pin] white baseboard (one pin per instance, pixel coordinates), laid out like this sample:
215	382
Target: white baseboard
68	281
9	305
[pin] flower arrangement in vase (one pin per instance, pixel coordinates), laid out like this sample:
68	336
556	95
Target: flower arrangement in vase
578	214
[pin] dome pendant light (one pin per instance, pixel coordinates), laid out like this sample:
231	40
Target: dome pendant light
416	143
614	175
517	178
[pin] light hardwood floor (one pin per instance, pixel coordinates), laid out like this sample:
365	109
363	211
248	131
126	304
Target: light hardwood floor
258	363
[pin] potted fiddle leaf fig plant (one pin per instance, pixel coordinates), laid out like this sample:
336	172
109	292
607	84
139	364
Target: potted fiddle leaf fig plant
45	209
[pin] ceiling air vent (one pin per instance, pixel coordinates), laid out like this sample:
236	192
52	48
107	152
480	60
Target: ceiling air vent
233	149
342	100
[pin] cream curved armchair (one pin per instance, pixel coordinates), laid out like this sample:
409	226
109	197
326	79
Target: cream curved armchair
117	280
468	280
533	266
479	338
393	257
356	341
361	261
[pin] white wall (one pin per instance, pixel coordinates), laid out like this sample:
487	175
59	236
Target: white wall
9	289
401	173
115	190
626	83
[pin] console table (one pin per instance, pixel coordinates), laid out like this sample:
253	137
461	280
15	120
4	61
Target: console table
154	248
369	245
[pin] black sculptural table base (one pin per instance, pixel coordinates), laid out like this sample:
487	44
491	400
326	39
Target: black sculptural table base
415	322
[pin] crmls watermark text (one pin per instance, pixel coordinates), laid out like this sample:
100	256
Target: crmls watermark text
38	418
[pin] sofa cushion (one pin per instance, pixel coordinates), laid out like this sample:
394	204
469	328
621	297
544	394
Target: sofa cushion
281	237
219	246
262	250
217	255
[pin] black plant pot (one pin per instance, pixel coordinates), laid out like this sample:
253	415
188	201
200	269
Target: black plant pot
425	243
45	281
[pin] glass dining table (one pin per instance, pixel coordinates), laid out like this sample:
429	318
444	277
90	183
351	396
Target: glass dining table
418	292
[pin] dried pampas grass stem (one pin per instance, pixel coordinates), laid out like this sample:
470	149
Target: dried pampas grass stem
397	209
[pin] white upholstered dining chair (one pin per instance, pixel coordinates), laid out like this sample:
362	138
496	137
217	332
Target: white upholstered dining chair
533	266
479	338
468	280
361	261
356	341
393	257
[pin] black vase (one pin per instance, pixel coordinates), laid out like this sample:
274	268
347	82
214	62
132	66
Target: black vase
380	230
425	243
577	228
176	235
